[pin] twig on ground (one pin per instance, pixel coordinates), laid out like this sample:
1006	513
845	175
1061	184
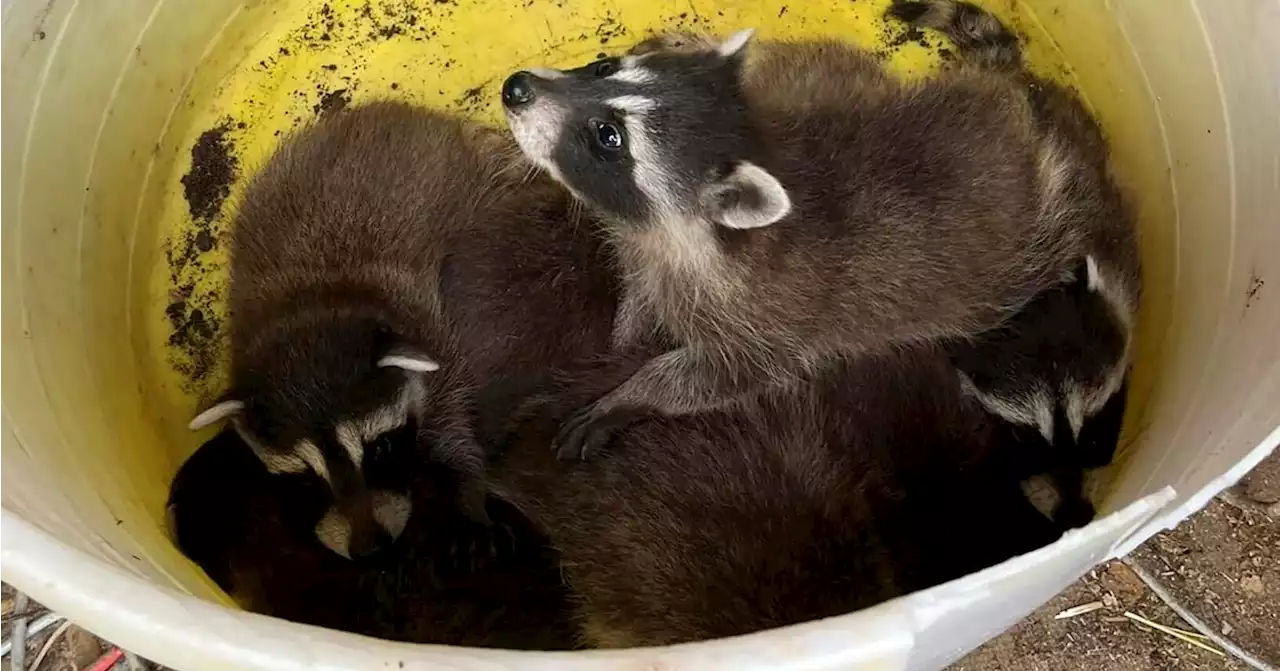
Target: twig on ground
48	644
40	624
1196	623
1174	632
1079	610
18	635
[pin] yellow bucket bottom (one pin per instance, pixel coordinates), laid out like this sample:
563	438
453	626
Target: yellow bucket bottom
275	69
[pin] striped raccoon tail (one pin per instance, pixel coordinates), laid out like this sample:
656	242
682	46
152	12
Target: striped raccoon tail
978	35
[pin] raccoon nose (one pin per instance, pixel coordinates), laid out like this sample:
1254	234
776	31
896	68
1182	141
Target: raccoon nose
518	89
364	546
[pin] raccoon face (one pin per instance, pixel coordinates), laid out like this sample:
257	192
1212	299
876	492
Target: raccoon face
661	135
1058	366
353	426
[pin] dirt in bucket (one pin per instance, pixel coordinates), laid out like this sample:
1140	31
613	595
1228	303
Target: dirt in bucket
190	311
213	169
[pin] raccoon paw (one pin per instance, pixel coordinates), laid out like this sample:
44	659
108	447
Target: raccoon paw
589	430
479	547
1074	513
472	499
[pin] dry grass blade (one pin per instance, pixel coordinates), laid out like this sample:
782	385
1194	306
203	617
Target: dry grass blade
48	644
1079	610
1179	634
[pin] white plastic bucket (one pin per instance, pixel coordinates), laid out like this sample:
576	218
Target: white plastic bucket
1189	91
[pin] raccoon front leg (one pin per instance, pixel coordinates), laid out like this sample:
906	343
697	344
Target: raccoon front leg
462	456
676	383
457	449
634	323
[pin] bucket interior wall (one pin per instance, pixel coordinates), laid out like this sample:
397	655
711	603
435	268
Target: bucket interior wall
103	102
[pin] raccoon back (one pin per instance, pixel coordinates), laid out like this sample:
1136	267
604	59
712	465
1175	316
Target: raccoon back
805	504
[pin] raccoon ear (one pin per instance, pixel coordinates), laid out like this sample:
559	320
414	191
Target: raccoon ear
408	358
736	43
217	413
1092	276
747	197
1084	278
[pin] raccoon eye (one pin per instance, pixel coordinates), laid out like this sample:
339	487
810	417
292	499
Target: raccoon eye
605	67
382	451
608	135
381	448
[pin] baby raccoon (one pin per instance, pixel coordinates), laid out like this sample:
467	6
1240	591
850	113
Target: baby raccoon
777	207
340	350
1059	367
875	480
252	533
1060	364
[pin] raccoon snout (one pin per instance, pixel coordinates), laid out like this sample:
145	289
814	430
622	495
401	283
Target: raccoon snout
364	525
368	541
518	89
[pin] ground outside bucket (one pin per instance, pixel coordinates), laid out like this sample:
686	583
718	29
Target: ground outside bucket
98	103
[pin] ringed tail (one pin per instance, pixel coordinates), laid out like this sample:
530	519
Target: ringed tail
977	34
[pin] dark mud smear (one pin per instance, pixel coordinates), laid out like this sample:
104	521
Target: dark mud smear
897	35
194	325
473	101
610	29
373	22
213	169
332	101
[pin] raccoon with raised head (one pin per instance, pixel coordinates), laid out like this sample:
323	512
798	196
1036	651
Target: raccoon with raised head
1060	364
252	533
875	480
780	206
340	350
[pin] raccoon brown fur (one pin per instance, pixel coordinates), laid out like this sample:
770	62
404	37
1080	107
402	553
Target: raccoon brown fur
1090	195
531	291
879	479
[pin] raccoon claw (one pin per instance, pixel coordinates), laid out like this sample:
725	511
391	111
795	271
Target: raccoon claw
511	544
587	432
499	543
476	547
